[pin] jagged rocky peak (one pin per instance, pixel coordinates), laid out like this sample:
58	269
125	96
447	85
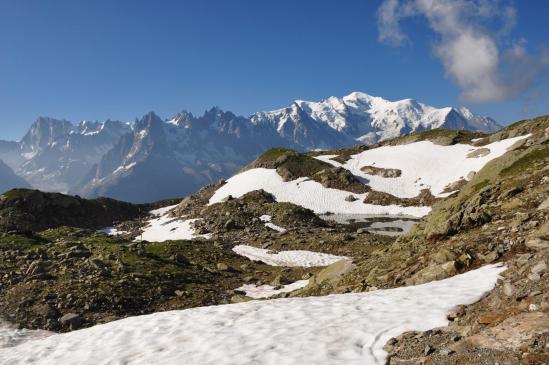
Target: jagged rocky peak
182	119
43	132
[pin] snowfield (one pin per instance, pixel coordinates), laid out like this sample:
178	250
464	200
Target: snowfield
294	258
335	329
423	165
306	193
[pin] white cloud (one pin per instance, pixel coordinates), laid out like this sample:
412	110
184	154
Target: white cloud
469	50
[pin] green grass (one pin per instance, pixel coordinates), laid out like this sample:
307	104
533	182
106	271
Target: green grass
274	153
480	185
526	161
302	165
456	136
15	194
521	123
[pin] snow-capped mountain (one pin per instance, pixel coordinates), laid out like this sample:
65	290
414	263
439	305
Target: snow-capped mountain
361	117
56	153
9	180
153	158
161	159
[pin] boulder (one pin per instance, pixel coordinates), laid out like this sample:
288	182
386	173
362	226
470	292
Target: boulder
221	266
332	271
71	321
513	332
433	272
544	205
38	267
351	198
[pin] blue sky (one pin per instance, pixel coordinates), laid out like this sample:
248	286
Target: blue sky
102	59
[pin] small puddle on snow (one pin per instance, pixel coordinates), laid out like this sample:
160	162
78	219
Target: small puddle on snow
388	225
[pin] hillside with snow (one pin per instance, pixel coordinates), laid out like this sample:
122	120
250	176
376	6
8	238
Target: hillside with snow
431	247
421	166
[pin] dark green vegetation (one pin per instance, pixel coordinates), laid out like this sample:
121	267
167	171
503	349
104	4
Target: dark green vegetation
24	210
439	136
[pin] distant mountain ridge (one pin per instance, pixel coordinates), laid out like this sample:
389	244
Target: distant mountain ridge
153	158
368	119
9	180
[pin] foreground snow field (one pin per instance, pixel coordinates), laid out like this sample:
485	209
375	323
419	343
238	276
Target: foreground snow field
336	329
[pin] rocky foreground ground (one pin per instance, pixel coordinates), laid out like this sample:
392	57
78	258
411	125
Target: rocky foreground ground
63	278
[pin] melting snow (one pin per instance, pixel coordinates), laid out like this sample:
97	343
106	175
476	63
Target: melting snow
335	329
274	227
307	193
266	291
295	258
111	231
164	227
163	210
423	165
267	219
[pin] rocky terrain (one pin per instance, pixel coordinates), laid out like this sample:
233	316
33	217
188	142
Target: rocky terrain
58	272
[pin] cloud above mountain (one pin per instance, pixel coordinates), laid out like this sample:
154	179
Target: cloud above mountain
473	45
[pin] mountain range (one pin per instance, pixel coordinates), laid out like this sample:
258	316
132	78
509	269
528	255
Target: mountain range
151	158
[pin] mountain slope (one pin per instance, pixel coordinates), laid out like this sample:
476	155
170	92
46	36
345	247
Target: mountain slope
9	180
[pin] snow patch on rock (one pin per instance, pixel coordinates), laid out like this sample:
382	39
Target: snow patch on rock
266	291
294	258
306	193
165	228
424	165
